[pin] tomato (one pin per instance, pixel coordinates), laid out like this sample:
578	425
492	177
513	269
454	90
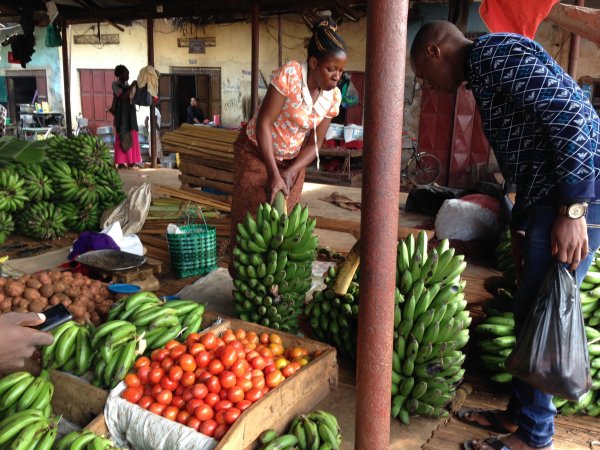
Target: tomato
266	353
295	365
187	362
156	408
192	405
154	364
211	399
216	367
170	413
223	404
164	397
243	405
240	367
229	355
235	394
245	384
240	334
209	340
265	390
159	354
269	368
168	384
204	376
280	363
258	362
288	370
171	344
178	401
274	378
228	337
193	338
227	379
142	362
188	379
179	390
195	348
223	394
303	361
251	355
253	395
156	389
221	431
175	373
220	416
193	423
258	382
208	427
231	415
167	363
277	349
188	394
200	391
213	384
204	412
177	351
133	394
145	402
156	375
143	373
264	338
148	390
203	359
183	417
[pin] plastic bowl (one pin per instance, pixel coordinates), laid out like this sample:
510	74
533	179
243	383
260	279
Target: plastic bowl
124	288
169	297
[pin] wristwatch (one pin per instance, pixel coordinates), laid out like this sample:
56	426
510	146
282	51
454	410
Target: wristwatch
574	210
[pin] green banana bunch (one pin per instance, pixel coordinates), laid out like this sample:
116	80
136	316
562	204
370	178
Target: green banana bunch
42	220
273	264
71	350
6	226
314	431
38	185
79	440
21	391
12	190
504	258
497	342
81	219
28	429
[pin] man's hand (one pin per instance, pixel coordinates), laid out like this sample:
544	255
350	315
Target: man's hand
290	176
18	341
275	184
569	241
516	246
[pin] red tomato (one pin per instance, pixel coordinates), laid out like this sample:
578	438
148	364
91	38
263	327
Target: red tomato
148	390
171	344
200	391
178	401
195	348
183	417
269	368
288	370
204	412
253	395
187	362
175	373
213	385
156	375
168	384
156	408
223	404
223	394
228	337
274	378
164	397
265	390
227	379
246	385
211	399
231	415
188	379
221	431
243	405
258	382
170	413
240	367
251	355
235	394
156	389
203	359
229	355
193	423
188	393
145	402
258	362
133	394
143	373
208	427
216	367
192	405
179	390
209	340
159	354
142	361
177	351
220	416
167	363
154	364
257	373
192	338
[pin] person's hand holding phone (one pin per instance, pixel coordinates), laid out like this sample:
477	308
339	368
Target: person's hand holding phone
19	340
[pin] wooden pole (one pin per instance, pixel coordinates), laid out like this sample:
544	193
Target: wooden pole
279	43
152	128
255	49
574	49
66	77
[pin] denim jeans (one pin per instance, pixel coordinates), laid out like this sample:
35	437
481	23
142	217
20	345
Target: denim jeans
532	410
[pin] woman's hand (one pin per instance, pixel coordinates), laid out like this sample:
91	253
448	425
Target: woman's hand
19	340
569	240
275	184
289	176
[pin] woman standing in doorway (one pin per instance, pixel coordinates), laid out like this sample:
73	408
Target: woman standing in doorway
285	134
127	144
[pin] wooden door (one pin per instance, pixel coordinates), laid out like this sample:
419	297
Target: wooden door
215	94
203	94
96	96
165	102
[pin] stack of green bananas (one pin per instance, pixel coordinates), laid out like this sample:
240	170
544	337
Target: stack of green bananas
85	440
22	391
42	220
498	340
76	184
38	185
114	347
12	190
315	430
158	322
81	218
273	265
28	429
83	150
71	350
334	318
6	226
590	294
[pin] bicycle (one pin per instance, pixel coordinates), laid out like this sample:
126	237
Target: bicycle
422	168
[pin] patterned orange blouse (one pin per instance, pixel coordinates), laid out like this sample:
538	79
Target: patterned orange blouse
299	115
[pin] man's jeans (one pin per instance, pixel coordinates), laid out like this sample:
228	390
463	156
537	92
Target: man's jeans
533	410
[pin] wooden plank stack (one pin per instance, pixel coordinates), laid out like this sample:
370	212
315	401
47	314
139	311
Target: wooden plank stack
206	156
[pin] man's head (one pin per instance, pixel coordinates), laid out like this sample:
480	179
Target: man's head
438	55
194	101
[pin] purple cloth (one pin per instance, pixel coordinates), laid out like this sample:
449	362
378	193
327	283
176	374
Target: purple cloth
89	240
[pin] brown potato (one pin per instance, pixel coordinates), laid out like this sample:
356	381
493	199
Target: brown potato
33	283
6	305
31	294
55	275
72	292
2	281
21	310
60	286
23	303
47	290
14	288
37	305
44	278
15	301
67	302
54	300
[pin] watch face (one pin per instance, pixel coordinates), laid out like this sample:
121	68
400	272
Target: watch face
576	211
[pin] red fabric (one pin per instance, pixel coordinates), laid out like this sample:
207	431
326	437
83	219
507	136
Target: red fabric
515	16
131	156
485	201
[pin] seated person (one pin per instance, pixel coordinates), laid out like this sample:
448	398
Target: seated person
194	113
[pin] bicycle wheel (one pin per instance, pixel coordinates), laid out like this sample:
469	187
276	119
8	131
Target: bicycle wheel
424	169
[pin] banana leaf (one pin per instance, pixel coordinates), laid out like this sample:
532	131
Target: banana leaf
20	150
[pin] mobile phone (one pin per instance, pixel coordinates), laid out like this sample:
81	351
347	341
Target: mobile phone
55	316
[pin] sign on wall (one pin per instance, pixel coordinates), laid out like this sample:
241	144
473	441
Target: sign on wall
197	46
184	42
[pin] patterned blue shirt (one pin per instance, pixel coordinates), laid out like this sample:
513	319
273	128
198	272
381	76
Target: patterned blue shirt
542	127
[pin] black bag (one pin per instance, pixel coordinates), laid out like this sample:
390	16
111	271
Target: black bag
142	97
429	199
551	351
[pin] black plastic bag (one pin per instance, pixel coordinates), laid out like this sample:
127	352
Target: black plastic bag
551	350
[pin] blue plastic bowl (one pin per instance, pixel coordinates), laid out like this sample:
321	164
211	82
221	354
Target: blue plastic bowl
169	297
121	288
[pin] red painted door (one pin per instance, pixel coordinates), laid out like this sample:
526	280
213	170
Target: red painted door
96	96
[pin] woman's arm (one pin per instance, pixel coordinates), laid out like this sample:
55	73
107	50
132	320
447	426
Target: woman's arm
307	153
270	108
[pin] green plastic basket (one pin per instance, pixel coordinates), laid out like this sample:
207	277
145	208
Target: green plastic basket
193	252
